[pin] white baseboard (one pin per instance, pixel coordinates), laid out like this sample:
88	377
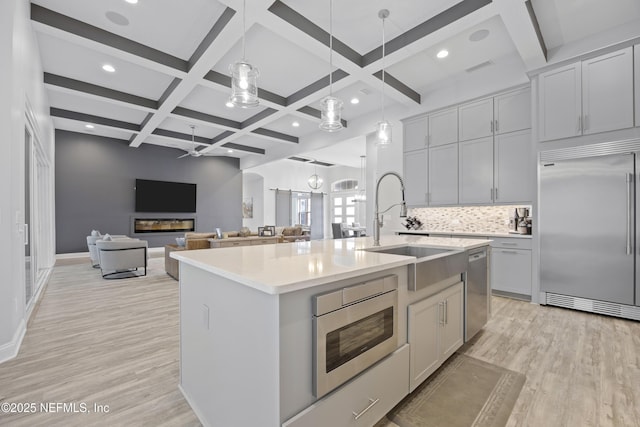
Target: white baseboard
194	407
10	350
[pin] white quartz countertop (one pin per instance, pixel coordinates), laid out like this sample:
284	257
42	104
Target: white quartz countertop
287	267
466	233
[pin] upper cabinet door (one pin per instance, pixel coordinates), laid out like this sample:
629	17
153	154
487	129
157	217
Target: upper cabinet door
513	167
415	134
560	104
443	175
476	171
415	177
475	119
443	127
607	92
512	111
636	51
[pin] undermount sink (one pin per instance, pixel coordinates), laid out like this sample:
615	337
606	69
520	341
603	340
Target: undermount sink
432	264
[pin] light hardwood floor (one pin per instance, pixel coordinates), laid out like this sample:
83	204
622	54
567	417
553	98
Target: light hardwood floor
115	342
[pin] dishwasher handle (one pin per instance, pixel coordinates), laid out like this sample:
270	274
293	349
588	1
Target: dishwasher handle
477	256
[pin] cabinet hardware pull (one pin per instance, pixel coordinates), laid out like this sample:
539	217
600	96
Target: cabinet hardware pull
357	415
491	126
509	244
579	129
441	313
491	194
446	312
426	140
586	122
496	193
497	126
509	252
629	215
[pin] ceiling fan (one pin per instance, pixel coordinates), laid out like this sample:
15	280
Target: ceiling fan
193	152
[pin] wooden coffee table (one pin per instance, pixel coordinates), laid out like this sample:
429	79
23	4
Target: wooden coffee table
172	266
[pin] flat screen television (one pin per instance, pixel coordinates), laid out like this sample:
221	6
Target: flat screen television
165	196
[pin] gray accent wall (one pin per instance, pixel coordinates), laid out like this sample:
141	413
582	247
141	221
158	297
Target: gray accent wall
95	179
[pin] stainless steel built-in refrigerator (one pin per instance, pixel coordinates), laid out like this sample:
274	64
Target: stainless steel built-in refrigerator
588	242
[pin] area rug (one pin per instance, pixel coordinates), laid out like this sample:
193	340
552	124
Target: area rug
464	392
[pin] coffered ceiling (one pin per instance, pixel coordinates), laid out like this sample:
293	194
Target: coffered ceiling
171	61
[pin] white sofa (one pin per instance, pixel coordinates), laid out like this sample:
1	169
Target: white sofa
122	257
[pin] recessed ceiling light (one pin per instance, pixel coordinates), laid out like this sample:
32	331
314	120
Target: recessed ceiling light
443	54
355	101
89	126
229	151
132	1
295	124
117	18
229	104
476	36
109	68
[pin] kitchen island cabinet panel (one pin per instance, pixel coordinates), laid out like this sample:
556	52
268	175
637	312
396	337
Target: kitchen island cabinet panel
476	171
436	331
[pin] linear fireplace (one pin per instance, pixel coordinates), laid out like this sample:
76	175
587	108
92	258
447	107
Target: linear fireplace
163	225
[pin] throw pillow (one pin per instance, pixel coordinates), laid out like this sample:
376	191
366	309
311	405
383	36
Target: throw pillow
107	237
95	233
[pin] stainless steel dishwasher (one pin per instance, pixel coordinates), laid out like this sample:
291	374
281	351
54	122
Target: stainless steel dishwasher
477	292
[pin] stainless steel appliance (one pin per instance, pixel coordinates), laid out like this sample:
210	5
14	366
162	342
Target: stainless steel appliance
588	242
477	294
353	328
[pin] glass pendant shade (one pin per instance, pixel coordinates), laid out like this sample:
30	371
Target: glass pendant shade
244	85
383	133
315	181
331	114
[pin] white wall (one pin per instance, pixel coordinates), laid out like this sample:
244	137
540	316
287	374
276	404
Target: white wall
253	188
21	77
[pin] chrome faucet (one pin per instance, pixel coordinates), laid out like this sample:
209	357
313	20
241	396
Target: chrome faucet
377	221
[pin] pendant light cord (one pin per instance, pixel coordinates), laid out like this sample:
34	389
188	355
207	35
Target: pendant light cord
244	28
330	47
383	52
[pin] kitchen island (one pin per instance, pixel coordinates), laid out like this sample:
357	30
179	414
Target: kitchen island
246	341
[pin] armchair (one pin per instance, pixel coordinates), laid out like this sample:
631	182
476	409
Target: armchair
121	258
91	245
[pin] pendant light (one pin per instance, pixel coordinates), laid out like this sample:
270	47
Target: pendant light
244	76
331	107
315	181
383	129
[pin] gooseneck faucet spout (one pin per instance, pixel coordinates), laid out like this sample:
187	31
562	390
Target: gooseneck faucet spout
377	221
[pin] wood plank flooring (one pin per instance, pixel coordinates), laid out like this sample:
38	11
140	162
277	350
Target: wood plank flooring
115	343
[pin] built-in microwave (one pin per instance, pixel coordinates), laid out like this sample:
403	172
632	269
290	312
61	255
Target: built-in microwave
353	328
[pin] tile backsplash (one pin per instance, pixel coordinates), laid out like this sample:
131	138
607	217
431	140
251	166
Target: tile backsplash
467	219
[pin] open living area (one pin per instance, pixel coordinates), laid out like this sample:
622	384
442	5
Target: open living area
298	214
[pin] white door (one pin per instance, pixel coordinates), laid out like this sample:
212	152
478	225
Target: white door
475	119
476	171
415	178
443	175
513	167
560	108
607	92
512	111
415	134
443	127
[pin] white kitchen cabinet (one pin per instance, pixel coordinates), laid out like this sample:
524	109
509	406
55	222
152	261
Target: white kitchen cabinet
511	265
436	331
370	396
443	127
512	111
476	171
560	103
415	134
513	168
607	95
475	119
415	177
636	67
595	95
443	175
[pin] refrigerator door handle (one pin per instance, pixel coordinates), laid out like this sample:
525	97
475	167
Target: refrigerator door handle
629	213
